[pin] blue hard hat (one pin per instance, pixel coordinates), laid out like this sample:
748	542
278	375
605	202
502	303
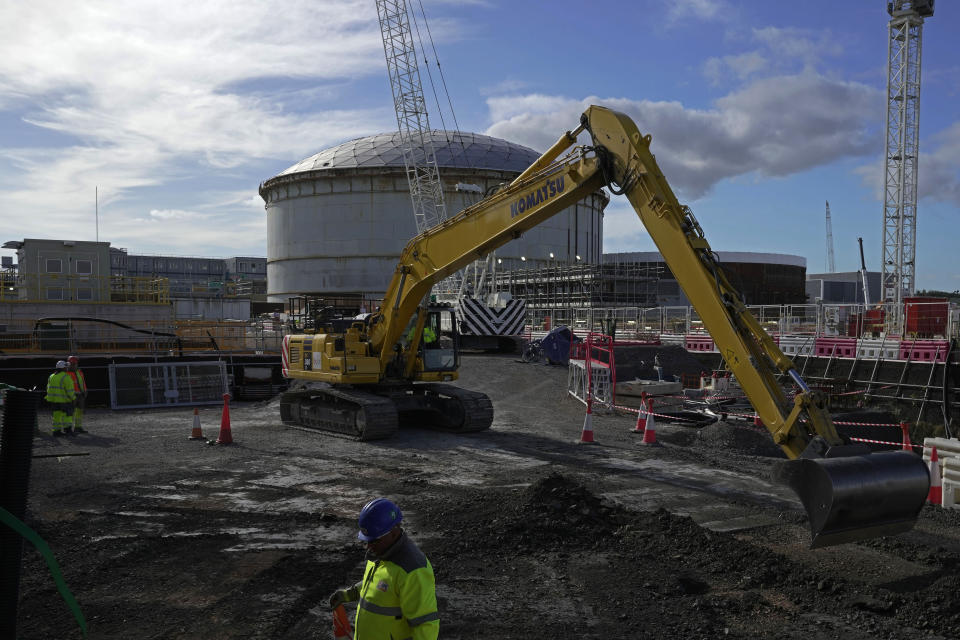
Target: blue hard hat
377	518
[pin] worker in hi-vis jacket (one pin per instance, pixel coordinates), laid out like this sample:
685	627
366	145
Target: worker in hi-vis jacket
79	390
60	394
397	595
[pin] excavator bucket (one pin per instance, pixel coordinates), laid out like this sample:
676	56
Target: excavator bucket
857	497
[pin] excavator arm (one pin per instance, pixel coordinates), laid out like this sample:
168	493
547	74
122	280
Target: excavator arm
848	492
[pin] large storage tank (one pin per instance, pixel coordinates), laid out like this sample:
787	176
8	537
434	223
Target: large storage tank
337	221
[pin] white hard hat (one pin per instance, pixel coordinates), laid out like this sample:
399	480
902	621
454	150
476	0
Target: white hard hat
61	364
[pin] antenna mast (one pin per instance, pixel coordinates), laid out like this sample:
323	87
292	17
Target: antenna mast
863	275
831	265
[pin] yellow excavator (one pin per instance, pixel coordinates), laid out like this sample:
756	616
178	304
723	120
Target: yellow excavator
393	364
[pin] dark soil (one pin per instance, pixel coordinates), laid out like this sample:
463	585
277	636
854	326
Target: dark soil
531	534
632	362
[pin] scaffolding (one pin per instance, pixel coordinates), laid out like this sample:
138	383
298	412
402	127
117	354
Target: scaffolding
32	288
583	286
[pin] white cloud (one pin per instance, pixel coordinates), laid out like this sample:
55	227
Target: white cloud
171	214
773	127
507	85
165	91
739	66
678	10
781	50
938	169
801	45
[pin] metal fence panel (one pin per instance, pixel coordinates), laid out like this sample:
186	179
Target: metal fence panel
145	385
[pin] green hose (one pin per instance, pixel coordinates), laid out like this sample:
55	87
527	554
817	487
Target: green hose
14	523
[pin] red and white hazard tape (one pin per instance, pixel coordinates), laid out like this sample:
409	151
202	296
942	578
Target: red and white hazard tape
867	424
665	416
893	444
752	416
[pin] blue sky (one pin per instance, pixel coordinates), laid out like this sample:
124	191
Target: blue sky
759	111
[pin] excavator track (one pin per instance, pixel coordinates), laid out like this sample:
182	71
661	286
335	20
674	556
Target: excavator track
375	413
470	411
357	414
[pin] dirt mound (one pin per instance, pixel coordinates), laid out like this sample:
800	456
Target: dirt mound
740	438
691	581
555	511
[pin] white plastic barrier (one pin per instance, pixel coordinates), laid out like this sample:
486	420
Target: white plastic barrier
948	453
678	339
875	348
797	345
951	482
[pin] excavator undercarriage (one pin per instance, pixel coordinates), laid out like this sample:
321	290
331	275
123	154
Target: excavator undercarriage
376	412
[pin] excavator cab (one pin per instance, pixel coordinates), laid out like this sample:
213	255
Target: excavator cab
439	344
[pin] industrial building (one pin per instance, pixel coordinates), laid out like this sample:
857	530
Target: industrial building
338	220
762	278
93	279
842	287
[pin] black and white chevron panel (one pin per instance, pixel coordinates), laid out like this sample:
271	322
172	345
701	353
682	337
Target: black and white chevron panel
478	319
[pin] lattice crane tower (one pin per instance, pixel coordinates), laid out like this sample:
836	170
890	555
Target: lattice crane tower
901	147
419	158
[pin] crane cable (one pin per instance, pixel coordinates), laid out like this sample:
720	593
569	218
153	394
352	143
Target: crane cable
433	88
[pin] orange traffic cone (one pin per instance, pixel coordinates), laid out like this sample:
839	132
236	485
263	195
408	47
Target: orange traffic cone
197	433
907	445
757	422
225	437
935	496
650	433
586	436
641	419
341	625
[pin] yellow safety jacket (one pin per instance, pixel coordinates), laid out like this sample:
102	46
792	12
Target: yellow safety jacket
398	599
59	388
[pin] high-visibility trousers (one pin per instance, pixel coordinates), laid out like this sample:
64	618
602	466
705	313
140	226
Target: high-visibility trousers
78	406
62	416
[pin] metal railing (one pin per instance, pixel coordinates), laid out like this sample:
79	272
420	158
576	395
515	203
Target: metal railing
915	320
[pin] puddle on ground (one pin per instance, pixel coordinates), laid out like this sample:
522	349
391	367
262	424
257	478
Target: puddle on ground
296	539
294	476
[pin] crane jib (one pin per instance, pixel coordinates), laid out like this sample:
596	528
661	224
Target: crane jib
526	202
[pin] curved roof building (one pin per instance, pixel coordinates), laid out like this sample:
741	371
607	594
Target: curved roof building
762	278
337	221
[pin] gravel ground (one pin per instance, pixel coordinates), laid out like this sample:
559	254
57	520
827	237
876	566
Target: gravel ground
531	533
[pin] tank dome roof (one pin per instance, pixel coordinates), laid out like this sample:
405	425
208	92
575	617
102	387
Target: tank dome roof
454	149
